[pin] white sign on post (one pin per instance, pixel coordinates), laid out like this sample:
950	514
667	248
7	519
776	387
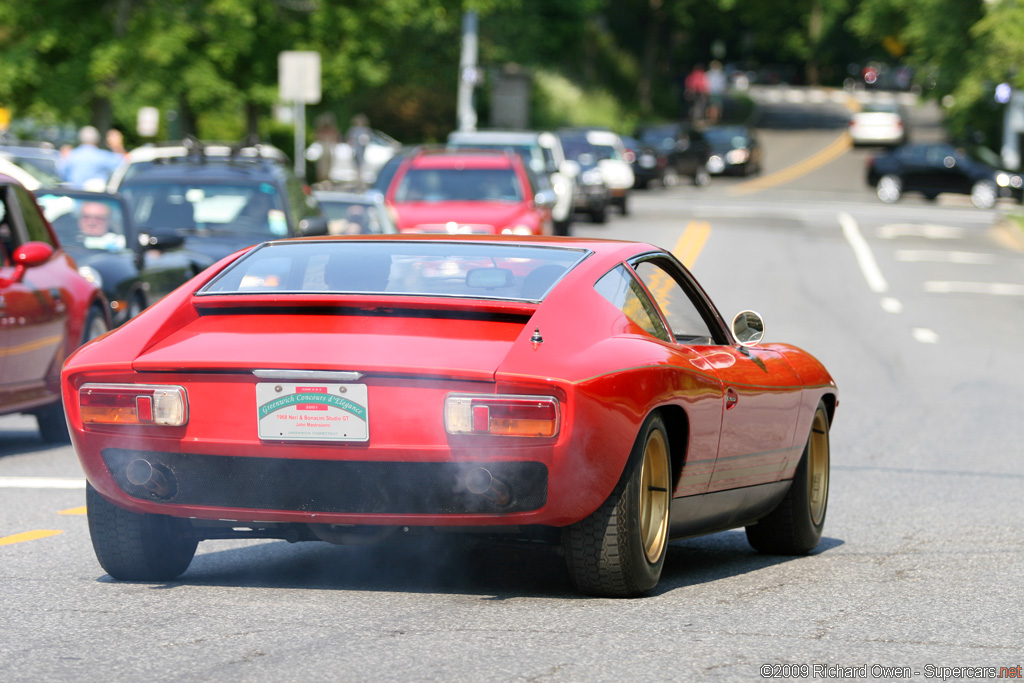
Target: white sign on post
298	77
298	82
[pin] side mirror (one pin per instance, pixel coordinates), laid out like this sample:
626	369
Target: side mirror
546	198
28	255
748	328
314	225
161	240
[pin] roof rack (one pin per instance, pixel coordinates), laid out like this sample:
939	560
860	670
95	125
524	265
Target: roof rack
191	147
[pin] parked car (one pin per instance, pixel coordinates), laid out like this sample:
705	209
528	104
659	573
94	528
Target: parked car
352	213
542	152
41	161
686	149
647	163
192	150
218	198
934	168
611	162
133	269
735	150
879	123
591	195
46	311
582	393
484	192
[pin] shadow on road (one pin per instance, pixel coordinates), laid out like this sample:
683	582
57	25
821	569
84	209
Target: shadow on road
454	565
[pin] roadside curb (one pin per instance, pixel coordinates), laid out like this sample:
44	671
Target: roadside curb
1009	233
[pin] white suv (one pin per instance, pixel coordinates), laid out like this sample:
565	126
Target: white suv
541	152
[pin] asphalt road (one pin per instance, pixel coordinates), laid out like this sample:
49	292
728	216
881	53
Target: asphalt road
914	308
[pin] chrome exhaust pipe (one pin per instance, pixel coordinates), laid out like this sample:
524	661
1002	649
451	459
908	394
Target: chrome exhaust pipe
480	481
158	480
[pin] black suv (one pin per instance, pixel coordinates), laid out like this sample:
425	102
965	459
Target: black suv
220	198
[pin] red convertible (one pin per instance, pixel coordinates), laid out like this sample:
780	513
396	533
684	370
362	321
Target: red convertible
577	391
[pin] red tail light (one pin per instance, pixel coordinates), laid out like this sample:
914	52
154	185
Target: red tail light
133	404
504	415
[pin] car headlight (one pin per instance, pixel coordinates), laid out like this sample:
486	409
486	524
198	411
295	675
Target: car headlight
1016	181
92	275
738	156
518	230
1003	179
591	177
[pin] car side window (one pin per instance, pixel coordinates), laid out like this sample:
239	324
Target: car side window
10	238
623	291
682	313
35	225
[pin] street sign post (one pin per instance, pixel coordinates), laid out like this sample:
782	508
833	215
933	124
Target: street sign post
298	80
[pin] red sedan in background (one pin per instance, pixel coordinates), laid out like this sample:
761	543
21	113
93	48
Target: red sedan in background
46	311
578	392
470	192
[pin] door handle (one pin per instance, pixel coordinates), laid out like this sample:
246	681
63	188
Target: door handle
731	398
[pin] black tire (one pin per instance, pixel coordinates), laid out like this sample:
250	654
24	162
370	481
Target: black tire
134	547
563	228
619	550
53	425
623	204
599	214
702	177
794	527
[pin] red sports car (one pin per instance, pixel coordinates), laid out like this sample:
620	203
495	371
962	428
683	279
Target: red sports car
46	311
581	392
469	192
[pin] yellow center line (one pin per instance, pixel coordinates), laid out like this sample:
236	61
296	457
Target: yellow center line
28	536
691	242
834	150
73	511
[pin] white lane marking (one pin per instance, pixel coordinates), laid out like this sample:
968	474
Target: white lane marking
891	305
923	255
40	483
934	232
993	288
865	259
925	336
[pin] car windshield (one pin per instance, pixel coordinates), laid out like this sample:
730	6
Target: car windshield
986	156
43	169
658	138
253	209
415	268
450	184
727	136
579	150
90	222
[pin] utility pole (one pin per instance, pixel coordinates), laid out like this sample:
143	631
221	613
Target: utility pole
469	73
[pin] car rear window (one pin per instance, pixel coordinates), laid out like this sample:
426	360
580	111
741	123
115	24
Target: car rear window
416	268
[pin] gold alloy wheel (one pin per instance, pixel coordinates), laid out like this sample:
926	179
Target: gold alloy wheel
654	496
818	467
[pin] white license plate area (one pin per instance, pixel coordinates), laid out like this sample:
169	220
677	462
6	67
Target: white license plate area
312	411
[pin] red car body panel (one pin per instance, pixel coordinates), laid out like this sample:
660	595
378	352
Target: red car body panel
43	309
607	374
